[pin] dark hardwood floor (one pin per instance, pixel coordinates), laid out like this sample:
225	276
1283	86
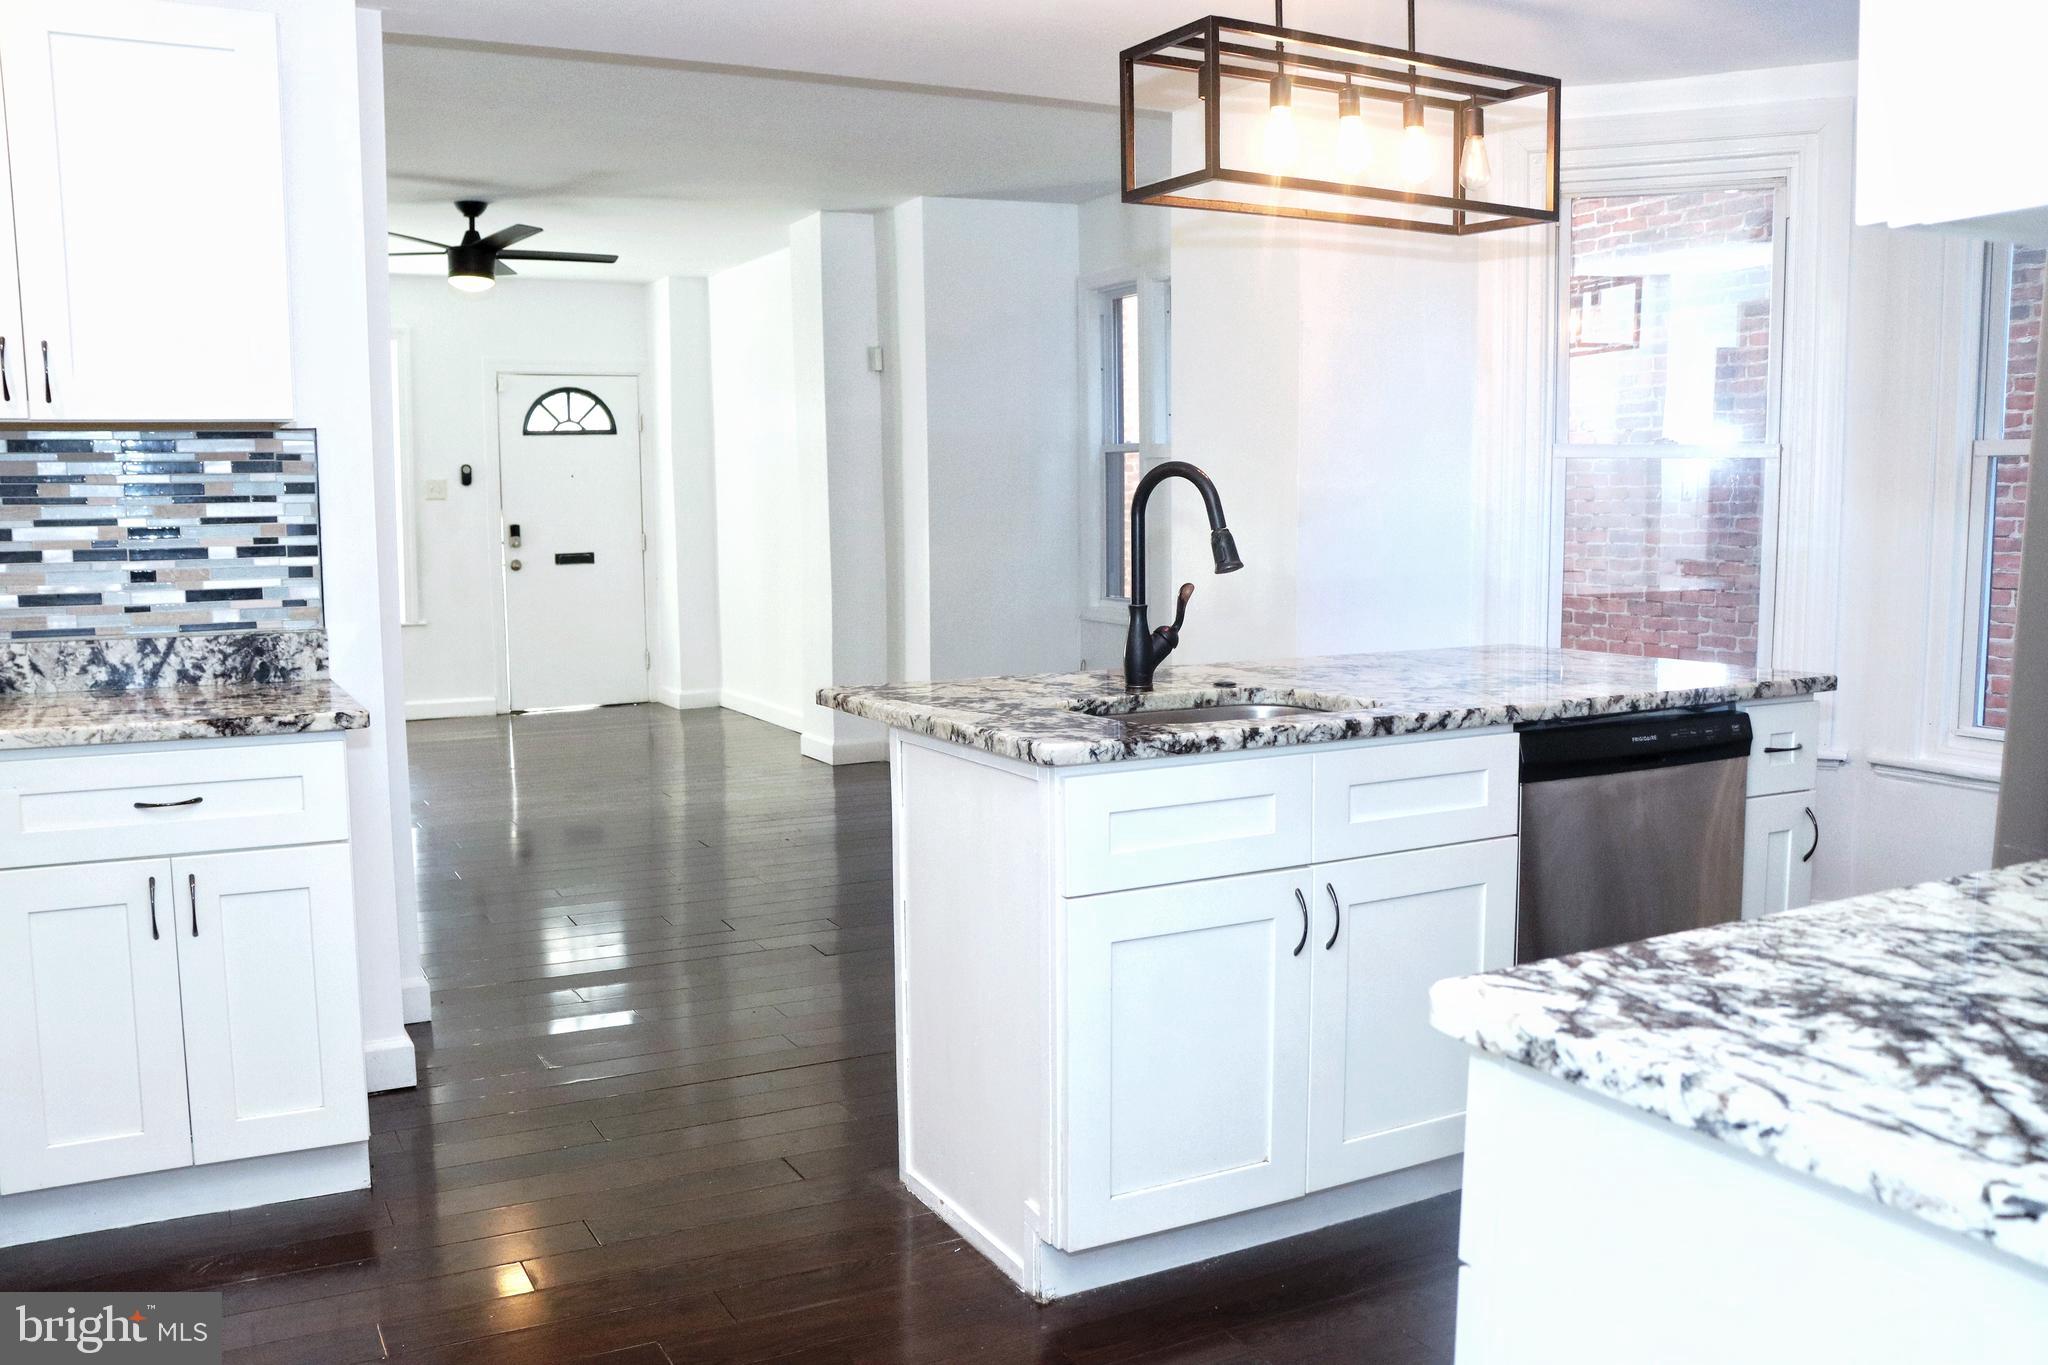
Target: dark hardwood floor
654	1120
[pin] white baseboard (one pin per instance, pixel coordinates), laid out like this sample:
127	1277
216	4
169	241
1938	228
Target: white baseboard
415	1000
447	708
760	708
389	1064
868	749
691	699
38	1215
1054	1274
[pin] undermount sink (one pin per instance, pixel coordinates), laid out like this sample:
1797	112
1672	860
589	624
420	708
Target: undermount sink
1213	715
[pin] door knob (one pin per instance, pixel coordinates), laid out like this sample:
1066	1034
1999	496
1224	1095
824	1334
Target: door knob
514	566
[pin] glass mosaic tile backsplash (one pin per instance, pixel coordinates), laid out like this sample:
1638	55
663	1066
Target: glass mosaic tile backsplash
157	533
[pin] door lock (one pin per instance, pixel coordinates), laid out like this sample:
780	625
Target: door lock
512	537
514	566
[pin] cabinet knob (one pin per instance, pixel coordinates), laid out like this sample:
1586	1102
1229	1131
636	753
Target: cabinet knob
514	566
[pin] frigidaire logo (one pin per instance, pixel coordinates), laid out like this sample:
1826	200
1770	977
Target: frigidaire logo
165	1328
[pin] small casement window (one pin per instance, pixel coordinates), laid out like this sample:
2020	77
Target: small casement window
569	412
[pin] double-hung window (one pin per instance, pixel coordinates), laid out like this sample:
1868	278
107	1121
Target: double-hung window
2014	277
1125	336
1668	451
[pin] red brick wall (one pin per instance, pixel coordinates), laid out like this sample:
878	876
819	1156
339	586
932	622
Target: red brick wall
2009	482
1665	558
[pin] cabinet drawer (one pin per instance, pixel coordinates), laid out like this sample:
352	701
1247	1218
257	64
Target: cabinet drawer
1184	822
1391	797
87	808
1785	738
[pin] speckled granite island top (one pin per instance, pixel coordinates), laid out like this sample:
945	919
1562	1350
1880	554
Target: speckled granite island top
1894	1045
1059	719
52	720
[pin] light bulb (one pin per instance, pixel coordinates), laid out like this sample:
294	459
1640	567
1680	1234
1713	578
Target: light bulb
471	284
1416	157
1354	143
1476	167
1283	138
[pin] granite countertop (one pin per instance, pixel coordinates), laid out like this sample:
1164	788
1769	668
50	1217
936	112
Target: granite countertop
1037	718
1894	1045
51	720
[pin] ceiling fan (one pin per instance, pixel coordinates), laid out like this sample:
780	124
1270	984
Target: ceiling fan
476	261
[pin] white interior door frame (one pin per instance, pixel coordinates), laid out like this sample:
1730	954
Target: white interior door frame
491	475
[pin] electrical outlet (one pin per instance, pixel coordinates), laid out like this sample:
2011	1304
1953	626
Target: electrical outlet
436	490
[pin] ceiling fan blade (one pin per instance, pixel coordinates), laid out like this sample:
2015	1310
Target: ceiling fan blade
423	241
593	257
499	268
507	236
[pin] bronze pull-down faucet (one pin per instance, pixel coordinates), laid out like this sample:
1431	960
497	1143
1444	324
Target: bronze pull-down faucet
1145	648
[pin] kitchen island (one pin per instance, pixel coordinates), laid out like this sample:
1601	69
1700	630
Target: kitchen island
1161	981
1822	1136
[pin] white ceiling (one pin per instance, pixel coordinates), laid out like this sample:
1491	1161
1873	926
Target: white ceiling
683	170
687	135
1066	49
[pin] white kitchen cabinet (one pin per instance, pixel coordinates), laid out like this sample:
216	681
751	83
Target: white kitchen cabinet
179	1023
1780	836
144	154
267	962
1386	1091
1187	1065
92	1062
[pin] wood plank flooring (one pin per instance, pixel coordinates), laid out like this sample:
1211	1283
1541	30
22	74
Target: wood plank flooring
655	1114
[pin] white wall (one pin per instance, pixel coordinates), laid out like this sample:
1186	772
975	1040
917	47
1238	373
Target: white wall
681	499
459	342
835	320
987	422
1323	377
760	546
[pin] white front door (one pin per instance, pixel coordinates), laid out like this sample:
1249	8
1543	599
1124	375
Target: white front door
575	595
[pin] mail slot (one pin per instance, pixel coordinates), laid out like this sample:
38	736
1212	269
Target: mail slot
580	557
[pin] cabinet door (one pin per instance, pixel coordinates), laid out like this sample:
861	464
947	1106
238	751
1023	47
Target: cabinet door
14	366
1185	1054
149	204
1780	835
1387	1090
273	1032
92	1066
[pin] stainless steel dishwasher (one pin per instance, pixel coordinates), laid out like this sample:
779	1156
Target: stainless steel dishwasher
1630	828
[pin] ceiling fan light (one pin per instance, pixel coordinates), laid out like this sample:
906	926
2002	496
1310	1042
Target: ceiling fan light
471	268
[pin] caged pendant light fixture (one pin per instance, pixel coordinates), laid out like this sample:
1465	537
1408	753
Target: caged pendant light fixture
1246	117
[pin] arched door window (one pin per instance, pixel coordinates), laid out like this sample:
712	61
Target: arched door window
569	412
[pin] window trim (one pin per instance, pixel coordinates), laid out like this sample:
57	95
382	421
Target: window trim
1801	128
1095	298
1678	179
1993	265
404	449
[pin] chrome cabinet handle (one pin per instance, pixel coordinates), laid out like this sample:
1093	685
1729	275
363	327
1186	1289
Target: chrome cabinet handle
168	805
1808	856
153	934
1338	911
46	372
1788	749
1302	901
192	890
